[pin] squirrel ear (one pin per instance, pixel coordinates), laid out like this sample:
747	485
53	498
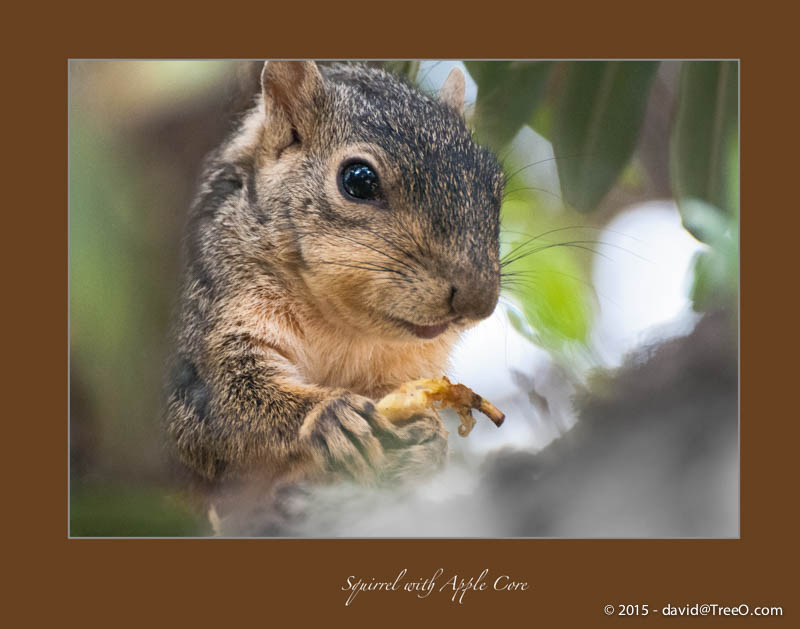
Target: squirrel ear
452	92
292	88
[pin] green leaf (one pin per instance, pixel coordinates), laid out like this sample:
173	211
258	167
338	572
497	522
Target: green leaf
715	280
704	221
508	94
716	270
478	69
542	120
704	141
547	281
554	305
598	113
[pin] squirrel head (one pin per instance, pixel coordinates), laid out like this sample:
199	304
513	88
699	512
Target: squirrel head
377	197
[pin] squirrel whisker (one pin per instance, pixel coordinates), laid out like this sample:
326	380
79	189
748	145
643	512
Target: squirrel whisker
507	194
577	244
392	243
541	161
365	268
511	255
375	249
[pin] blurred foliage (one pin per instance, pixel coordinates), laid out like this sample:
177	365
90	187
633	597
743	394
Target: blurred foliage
512	87
114	269
121	511
597	122
705	177
133	156
546	277
716	270
593	115
705	140
591	111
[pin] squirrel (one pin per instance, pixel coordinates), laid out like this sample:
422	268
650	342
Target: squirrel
343	237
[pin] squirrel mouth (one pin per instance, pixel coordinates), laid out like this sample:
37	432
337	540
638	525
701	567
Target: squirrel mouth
425	331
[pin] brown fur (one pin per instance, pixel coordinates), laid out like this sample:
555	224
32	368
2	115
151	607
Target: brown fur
296	295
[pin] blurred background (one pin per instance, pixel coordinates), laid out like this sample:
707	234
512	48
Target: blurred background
613	352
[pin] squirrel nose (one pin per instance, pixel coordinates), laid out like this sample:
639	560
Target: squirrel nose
473	299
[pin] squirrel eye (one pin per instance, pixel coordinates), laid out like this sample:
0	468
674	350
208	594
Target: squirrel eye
360	181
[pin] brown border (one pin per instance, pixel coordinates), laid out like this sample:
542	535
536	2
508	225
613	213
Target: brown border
224	582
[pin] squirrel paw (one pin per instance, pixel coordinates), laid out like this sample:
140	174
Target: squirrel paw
347	435
427	455
415	449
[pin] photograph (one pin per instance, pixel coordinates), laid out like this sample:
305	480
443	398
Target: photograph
404	298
